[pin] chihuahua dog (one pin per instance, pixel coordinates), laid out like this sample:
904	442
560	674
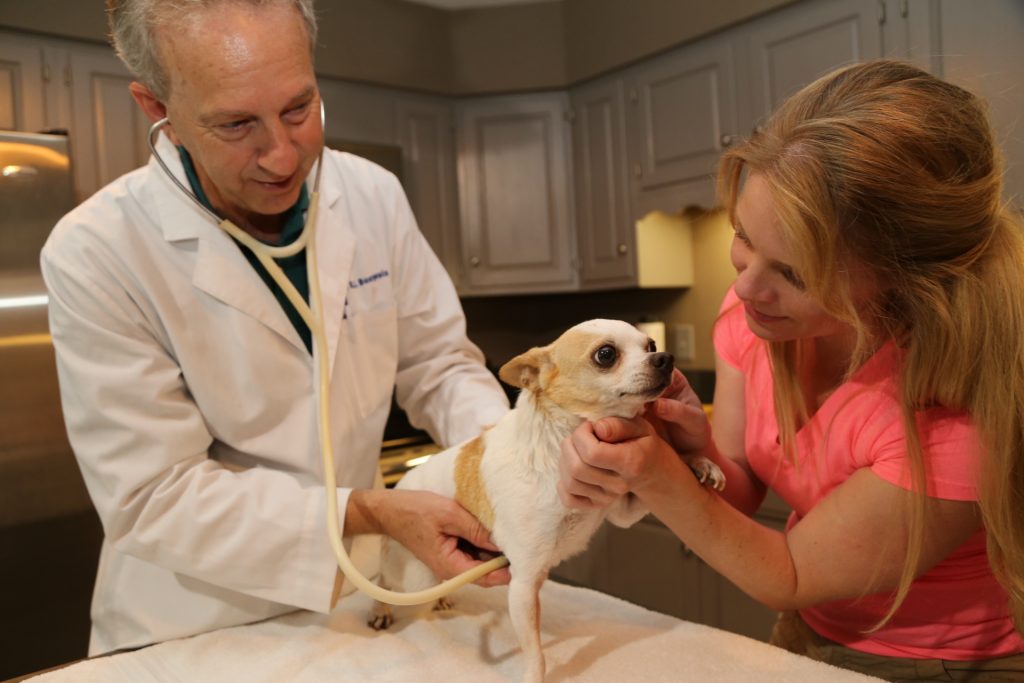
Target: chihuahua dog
507	476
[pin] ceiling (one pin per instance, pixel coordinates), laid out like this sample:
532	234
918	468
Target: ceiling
468	4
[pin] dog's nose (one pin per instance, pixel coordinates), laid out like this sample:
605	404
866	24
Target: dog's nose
663	361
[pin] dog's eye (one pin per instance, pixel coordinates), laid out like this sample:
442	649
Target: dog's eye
605	356
651	346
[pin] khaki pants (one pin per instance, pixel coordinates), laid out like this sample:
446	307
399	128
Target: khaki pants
793	634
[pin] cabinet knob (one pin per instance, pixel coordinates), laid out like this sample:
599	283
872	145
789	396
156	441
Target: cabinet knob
634	96
726	141
623	249
474	261
638	171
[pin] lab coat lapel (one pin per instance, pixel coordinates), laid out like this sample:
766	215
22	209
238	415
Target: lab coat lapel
221	269
335	253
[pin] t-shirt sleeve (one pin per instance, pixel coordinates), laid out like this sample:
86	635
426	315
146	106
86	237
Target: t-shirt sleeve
951	448
731	335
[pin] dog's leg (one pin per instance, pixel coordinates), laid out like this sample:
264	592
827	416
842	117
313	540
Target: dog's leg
524	609
626	511
381	618
707	472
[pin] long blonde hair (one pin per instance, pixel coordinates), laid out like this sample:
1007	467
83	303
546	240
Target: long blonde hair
884	165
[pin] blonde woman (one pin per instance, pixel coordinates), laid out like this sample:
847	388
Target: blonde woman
870	370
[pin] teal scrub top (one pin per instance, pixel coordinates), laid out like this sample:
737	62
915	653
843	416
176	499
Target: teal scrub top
294	267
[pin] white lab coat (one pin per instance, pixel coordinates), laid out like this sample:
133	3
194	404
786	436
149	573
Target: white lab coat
189	397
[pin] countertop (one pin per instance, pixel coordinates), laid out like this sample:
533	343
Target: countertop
587	636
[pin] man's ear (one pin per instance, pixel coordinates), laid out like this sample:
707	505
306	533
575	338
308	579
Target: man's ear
523	370
152	107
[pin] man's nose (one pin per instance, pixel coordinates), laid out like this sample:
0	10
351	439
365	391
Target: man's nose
279	155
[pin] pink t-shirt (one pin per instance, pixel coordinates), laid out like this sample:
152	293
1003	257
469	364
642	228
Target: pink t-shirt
955	611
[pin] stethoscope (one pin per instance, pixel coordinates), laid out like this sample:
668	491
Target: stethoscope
312	314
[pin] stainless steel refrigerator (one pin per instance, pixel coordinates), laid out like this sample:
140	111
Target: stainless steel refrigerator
49	532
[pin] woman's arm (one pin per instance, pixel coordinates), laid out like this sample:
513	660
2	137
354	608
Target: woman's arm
851	544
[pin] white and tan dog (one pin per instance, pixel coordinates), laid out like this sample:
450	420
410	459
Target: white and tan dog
507	476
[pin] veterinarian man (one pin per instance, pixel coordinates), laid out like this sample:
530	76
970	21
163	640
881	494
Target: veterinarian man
187	379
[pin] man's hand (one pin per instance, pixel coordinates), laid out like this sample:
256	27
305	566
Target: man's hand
431	527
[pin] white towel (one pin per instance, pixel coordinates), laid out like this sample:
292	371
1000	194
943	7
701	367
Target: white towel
587	636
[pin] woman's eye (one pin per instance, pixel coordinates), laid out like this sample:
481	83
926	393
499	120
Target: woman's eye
606	356
792	278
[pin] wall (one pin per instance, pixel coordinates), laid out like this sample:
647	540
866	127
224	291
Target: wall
532	46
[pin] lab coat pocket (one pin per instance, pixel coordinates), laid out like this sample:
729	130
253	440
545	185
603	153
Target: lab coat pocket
368	349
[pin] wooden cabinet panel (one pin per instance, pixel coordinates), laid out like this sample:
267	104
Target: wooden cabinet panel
21	84
108	138
424	131
682	113
792	47
604	226
515	210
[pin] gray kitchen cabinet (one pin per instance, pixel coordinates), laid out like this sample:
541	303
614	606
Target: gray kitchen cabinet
424	130
515	194
605	229
681	114
792	47
649	566
108	130
22	99
82	88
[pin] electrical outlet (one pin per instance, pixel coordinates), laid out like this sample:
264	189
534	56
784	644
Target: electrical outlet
685	344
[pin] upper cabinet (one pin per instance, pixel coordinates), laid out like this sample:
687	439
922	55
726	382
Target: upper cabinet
606	234
681	115
515	195
79	87
108	131
790	48
22	100
424	130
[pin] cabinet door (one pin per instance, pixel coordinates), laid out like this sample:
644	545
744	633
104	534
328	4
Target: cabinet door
649	566
22	98
791	48
726	607
515	202
108	134
910	31
682	113
603	223
424	132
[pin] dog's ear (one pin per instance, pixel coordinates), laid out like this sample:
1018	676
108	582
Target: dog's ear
523	370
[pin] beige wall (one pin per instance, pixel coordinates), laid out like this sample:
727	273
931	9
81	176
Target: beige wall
508	49
534	46
712	236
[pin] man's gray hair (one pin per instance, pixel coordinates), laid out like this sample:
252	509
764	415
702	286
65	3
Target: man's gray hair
131	32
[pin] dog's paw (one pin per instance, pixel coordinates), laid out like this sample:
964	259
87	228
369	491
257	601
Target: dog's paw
379	621
443	604
708	473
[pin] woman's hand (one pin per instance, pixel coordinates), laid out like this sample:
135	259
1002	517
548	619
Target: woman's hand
678	416
436	530
602	461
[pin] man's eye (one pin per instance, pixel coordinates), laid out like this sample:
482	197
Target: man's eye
605	356
233	128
